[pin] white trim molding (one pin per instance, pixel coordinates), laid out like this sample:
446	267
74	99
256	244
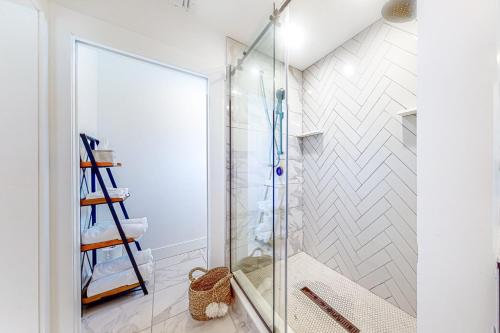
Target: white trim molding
43	174
179	248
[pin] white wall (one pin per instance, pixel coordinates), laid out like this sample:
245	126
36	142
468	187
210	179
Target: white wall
456	270
155	119
19	171
87	85
65	24
216	171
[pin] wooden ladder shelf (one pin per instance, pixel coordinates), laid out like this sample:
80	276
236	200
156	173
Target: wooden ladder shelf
95	167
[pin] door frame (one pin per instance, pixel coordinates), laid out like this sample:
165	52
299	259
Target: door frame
75	164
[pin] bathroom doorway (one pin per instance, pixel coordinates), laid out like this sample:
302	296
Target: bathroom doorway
150	123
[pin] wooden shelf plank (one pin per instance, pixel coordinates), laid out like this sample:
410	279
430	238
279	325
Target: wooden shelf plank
88	164
116	291
100	245
99	201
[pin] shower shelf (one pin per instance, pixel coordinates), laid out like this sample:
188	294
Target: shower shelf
310	133
407	112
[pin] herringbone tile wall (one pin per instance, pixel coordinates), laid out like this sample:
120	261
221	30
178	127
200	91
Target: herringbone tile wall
359	187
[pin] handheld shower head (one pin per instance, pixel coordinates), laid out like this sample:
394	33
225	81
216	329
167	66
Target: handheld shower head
280	94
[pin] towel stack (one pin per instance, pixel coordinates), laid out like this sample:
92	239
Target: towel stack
133	228
264	229
119	272
115	193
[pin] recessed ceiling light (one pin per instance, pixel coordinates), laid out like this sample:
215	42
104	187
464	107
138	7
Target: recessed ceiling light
293	35
186	4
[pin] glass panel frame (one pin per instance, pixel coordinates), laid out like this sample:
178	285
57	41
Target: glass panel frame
252	162
261	273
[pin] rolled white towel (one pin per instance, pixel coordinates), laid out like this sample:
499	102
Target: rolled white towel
121	264
105	232
264	231
113	193
140	220
113	281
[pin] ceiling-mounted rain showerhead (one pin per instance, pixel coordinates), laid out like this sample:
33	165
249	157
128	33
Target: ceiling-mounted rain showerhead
400	10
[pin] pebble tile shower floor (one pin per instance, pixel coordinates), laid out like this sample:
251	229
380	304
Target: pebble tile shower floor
367	311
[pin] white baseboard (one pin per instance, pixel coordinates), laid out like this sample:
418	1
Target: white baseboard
179	248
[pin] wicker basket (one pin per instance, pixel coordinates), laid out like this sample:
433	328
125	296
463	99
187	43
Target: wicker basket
212	287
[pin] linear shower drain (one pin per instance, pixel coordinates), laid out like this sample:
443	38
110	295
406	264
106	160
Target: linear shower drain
340	319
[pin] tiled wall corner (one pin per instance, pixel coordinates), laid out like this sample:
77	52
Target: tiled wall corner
360	175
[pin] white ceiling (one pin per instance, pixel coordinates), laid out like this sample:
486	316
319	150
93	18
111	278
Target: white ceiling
325	24
239	19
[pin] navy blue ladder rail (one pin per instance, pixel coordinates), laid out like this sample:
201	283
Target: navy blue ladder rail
90	144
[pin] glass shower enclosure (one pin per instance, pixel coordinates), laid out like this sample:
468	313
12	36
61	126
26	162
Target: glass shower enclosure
257	77
323	170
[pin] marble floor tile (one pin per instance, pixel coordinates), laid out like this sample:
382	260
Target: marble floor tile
183	323
175	274
241	326
128	314
178	259
240	319
165	309
169	302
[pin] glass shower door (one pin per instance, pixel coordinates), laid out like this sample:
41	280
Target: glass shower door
257	147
